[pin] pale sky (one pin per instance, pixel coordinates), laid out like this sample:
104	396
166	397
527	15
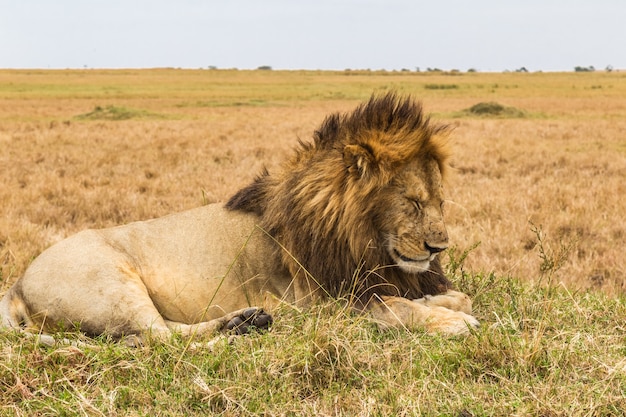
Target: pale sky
487	35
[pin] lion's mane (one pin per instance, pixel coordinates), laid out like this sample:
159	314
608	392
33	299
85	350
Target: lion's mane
320	211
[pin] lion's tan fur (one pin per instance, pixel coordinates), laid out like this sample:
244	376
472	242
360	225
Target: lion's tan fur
355	214
185	268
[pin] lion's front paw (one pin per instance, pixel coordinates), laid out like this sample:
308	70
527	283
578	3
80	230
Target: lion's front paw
452	300
443	320
250	319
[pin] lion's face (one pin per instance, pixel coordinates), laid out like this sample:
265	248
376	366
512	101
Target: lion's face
412	220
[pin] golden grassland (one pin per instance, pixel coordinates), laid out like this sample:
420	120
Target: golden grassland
95	148
535	200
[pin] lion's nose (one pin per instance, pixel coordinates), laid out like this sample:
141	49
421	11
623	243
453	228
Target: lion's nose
435	249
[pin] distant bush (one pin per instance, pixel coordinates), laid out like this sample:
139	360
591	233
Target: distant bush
590	68
487	108
492	108
265	68
116	113
441	86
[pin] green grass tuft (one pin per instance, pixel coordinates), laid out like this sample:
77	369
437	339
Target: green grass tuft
234	103
117	113
492	109
441	86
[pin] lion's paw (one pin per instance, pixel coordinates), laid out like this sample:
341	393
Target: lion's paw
443	320
250	319
452	300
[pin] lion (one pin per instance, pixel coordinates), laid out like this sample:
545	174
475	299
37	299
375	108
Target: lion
354	215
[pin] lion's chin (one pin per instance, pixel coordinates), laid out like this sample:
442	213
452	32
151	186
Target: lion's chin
414	267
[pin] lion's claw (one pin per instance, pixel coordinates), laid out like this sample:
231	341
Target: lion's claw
249	320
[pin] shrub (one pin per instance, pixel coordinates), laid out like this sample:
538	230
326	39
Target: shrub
116	113
441	86
492	108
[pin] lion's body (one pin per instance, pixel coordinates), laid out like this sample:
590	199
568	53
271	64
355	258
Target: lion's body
188	267
357	214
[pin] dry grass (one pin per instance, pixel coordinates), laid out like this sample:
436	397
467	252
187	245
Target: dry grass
189	137
541	196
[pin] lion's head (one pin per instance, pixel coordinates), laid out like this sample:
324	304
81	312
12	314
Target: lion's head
360	209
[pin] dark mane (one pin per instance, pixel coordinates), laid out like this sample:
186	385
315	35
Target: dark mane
251	198
308	204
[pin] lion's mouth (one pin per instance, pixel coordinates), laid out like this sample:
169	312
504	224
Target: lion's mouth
410	264
404	258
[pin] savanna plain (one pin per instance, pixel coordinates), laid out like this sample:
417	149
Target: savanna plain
535	212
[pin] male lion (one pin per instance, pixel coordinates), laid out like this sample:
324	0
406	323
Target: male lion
355	215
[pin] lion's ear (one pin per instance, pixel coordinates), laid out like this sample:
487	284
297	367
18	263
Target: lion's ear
359	160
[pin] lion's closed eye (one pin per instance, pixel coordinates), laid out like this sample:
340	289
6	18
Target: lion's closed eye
416	204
